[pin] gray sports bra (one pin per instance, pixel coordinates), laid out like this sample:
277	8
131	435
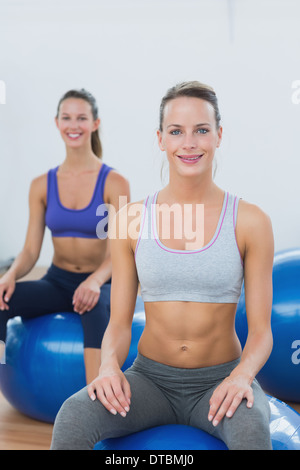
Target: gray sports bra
213	273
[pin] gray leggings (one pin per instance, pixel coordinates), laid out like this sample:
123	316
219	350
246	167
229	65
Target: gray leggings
164	395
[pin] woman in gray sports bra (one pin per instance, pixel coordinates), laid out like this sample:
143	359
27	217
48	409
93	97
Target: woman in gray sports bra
195	246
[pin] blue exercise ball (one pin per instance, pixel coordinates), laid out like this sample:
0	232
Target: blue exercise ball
45	362
284	426
284	429
167	437
280	376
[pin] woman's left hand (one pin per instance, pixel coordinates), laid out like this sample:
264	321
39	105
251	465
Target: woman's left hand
228	396
86	296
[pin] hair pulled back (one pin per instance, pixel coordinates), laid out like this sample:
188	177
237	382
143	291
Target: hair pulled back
85	95
193	89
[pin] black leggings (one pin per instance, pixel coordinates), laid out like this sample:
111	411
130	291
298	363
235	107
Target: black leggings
52	294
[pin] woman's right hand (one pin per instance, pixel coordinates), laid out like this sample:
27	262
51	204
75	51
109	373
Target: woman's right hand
7	287
113	390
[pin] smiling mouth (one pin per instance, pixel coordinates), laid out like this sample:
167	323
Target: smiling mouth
190	158
73	136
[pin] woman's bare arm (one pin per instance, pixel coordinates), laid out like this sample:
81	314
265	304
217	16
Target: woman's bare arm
29	255
111	386
257	235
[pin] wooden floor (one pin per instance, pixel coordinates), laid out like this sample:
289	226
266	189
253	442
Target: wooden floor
18	432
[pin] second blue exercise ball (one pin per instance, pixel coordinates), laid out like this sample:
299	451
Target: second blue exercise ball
45	362
281	374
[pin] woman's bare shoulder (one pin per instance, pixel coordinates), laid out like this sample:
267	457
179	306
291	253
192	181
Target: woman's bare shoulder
254	226
38	187
252	215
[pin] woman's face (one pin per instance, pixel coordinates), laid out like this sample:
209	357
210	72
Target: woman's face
189	135
75	122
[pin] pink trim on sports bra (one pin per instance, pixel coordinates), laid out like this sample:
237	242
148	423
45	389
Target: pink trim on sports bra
234	228
142	227
188	252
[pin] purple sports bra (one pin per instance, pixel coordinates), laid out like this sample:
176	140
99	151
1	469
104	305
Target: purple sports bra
89	222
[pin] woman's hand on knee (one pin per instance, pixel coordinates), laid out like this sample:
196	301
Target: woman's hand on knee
86	296
7	287
113	391
228	396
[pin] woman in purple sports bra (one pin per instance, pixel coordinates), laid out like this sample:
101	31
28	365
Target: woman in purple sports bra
73	200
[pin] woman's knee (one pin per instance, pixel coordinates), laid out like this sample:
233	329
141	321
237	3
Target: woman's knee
249	428
64	431
74	426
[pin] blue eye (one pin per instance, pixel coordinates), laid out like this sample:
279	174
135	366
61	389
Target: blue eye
175	132
202	130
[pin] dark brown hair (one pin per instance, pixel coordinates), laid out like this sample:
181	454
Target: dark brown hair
86	96
193	89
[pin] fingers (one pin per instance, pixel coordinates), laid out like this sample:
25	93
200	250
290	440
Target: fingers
3	305
86	295
84	301
127	391
91	391
9	293
226	407
113	392
226	404
5	295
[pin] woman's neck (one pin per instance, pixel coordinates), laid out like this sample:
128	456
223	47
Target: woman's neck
80	159
184	189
